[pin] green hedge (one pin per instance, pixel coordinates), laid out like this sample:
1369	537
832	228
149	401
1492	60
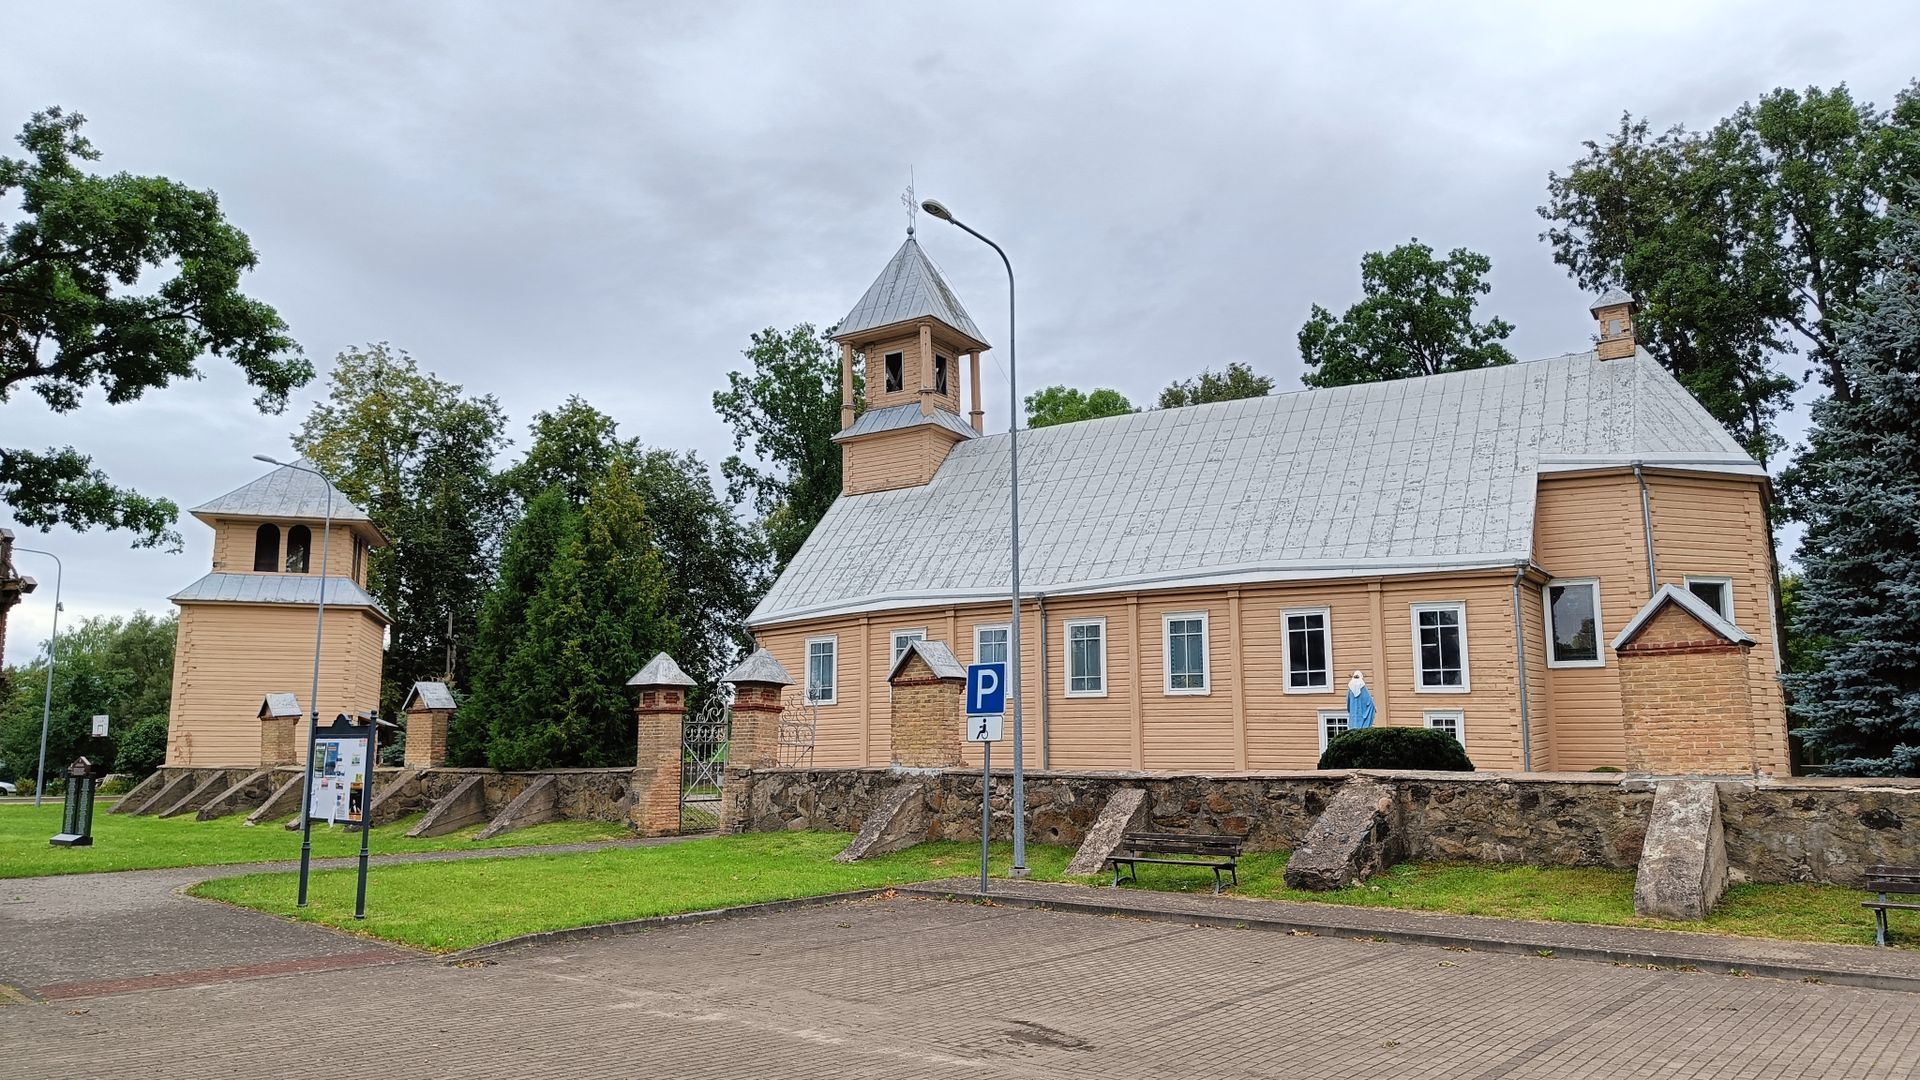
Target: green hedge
1396	748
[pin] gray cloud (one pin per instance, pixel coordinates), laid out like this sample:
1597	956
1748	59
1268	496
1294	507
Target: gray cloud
607	199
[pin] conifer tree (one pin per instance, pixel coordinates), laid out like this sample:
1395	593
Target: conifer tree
532	547
598	614
1859	589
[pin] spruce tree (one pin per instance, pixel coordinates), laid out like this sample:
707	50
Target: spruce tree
598	614
1859	589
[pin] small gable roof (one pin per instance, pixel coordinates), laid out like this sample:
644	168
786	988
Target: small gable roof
660	671
430	695
909	288
761	667
1613	297
938	657
1692	605
277	706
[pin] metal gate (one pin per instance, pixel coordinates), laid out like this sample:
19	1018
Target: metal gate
798	720
704	740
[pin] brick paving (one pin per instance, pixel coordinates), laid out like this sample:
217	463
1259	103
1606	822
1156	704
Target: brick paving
67	934
913	986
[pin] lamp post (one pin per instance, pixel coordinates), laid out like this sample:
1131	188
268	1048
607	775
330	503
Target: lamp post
936	209
313	702
53	647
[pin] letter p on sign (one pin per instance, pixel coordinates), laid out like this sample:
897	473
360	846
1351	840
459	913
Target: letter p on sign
986	689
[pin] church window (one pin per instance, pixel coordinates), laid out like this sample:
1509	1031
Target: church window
896	372
939	374
266	548
299	543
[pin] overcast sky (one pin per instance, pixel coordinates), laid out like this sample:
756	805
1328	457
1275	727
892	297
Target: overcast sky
607	199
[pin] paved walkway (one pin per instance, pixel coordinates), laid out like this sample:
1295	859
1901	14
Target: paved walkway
82	934
919	987
1851	964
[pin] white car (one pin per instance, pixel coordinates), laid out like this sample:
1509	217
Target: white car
8	789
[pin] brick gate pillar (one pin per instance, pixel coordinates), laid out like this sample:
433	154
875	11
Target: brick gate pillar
660	713
928	710
758	684
429	709
279	730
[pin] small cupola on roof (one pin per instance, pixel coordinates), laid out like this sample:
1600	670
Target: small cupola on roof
908	332
1614	311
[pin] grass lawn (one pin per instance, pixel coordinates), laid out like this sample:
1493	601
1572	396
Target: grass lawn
456	905
123	842
1577	894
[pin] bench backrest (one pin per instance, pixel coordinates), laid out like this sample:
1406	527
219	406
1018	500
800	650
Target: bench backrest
1181	844
1893	879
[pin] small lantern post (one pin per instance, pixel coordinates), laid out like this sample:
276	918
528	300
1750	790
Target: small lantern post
76	820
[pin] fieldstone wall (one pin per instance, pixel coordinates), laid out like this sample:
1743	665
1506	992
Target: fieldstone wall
1818	830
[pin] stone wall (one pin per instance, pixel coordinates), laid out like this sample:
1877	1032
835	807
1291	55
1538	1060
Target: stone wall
1776	830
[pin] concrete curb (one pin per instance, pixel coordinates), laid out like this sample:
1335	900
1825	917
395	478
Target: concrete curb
1675	960
655	922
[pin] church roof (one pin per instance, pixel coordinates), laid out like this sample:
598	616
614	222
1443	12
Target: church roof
283	493
895	417
298	589
910	287
1410	476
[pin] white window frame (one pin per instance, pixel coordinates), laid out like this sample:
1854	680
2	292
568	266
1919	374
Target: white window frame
833	698
1722	580
1320	719
1166	655
1413	619
1599	634
1459	717
1286	649
894	649
1066	665
1002	627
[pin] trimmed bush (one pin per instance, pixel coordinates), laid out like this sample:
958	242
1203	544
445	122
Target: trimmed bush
1396	748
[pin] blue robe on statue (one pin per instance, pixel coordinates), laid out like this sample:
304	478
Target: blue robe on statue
1359	706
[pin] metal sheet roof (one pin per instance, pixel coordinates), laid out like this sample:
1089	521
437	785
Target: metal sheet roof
910	287
282	493
430	695
1698	608
894	417
939	658
279	705
1409	476
761	667
300	589
1612	297
660	671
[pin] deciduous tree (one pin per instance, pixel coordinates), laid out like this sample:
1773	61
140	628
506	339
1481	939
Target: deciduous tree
1237	381
785	411
118	665
1065	405
1417	318
117	284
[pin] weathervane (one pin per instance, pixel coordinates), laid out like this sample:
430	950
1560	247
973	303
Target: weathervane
907	200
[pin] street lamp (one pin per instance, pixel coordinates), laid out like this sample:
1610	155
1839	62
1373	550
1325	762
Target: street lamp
313	702
935	208
53	646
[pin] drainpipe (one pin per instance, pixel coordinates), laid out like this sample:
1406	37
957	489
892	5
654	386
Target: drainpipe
1520	665
1646	527
1046	741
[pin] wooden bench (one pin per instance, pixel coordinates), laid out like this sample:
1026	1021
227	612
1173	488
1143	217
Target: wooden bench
1216	853
1890	879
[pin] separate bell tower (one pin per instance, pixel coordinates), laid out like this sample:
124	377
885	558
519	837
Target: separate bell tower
909	331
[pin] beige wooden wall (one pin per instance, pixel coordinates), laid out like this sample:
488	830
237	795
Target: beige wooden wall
1247	722
908	346
233	548
905	457
230	656
1591	526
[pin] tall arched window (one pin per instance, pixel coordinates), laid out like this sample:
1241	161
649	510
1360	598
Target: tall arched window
266	548
299	541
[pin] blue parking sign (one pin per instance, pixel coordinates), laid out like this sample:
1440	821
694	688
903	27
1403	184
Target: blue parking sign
986	689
